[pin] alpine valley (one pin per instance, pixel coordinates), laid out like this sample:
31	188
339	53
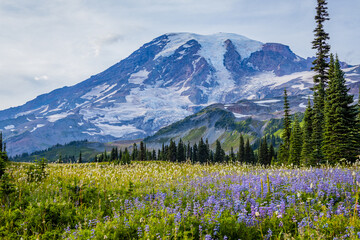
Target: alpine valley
213	81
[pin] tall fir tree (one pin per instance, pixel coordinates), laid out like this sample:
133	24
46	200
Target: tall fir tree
263	157
272	155
80	158
285	147
195	154
307	149
172	153
134	153
247	151
329	111
142	153
295	144
120	155
189	150
163	154
203	155
125	158
154	154
1	142
342	138
3	154
241	151
181	152
320	79
219	153
358	118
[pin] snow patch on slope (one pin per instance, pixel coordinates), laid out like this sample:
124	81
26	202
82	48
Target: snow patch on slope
118	131
238	115
267	101
56	117
98	91
139	77
8	127
37	126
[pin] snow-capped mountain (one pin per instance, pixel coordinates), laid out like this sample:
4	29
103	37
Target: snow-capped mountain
167	79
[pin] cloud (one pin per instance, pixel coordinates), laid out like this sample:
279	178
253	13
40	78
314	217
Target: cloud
48	44
41	78
105	41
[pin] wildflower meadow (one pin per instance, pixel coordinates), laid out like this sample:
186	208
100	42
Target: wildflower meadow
162	200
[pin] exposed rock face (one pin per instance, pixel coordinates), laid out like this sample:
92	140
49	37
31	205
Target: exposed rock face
167	79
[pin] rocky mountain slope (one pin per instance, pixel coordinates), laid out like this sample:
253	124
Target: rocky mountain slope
252	118
167	79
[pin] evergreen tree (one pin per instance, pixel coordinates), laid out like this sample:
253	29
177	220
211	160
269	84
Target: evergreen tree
203	155
2	167
247	151
320	80
134	153
189	150
271	153
194	157
219	153
211	156
320	44
241	151
148	155
1	142
166	152
295	144
120	155
181	152
60	159
105	156
232	155
207	148
172	152
153	154
359	106
285	147
6	185
142	153
342	138
125	158
113	154
80	158
163	155
263	156
358	118
307	149
3	154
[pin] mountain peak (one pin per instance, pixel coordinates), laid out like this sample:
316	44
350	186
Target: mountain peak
211	42
167	79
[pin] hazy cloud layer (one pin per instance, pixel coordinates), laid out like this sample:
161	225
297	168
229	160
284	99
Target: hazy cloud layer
49	44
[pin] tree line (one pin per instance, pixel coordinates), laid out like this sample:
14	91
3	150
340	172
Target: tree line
331	130
200	152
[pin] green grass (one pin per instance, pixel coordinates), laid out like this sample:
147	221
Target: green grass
232	139
152	200
195	134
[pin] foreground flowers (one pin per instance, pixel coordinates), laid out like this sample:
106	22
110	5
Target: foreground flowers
175	201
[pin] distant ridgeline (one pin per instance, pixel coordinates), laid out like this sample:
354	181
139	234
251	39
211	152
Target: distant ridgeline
69	152
239	144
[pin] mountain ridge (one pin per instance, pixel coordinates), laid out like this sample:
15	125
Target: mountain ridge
171	77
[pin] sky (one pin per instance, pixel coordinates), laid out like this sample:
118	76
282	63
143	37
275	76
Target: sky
46	45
